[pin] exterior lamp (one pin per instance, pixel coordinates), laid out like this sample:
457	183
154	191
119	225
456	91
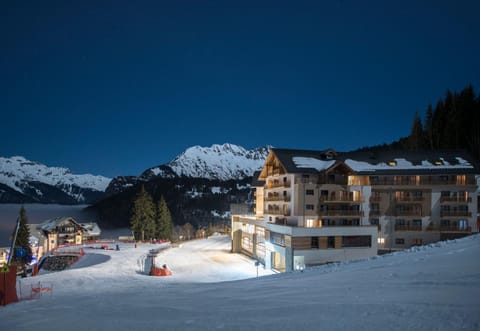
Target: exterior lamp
300	267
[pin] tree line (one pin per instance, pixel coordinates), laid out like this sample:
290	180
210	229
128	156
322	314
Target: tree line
453	123
150	220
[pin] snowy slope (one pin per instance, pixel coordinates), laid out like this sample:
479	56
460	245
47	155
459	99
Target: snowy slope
433	287
221	162
23	176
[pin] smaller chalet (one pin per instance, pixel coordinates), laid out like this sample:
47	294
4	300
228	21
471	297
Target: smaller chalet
62	231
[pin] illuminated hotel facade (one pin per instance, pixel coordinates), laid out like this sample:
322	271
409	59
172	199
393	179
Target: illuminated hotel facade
317	207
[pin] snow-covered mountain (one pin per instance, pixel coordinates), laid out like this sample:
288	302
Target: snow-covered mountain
222	162
202	181
27	181
24	181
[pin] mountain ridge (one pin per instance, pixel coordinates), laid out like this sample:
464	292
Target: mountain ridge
28	181
25	181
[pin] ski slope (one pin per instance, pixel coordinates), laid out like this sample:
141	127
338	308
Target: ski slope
435	287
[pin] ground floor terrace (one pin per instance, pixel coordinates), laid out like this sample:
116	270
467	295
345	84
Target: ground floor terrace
288	248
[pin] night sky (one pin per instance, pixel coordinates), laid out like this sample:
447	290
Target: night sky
115	87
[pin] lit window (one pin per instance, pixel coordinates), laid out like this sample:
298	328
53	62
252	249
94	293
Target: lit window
311	223
392	163
246	243
381	240
248	228
438	162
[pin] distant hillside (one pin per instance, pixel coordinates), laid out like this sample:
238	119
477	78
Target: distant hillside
199	185
198	201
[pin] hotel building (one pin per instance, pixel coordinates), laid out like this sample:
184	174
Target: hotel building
316	207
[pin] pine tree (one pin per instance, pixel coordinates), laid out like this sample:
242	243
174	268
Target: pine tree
416	135
164	223
23	241
142	221
429	127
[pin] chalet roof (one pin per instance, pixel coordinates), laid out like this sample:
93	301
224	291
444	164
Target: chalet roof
50	225
36	231
92	228
296	160
411	162
384	162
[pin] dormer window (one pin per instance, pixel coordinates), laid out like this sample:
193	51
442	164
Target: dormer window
392	163
438	162
328	154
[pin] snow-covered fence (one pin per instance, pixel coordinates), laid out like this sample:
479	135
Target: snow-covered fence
30	291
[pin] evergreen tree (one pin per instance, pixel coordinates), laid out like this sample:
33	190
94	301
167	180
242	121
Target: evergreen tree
142	221
164	223
439	124
429	127
416	135
23	241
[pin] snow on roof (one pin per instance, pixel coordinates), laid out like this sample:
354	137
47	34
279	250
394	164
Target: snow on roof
403	164
92	228
51	224
311	162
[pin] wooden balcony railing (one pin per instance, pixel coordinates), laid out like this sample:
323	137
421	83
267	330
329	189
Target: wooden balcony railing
278	198
456	213
340	199
408	213
455	229
448	228
276	185
341	213
409	199
374	212
277	212
421	181
402	227
456	199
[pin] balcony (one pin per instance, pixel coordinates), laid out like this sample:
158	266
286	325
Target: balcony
394	182
455	213
406	227
374	213
455	229
375	199
277	185
277	212
408	213
340	213
452	181
340	199
449	228
277	198
409	199
456	199
421	181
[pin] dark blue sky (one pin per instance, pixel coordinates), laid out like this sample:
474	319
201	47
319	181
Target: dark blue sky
115	87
